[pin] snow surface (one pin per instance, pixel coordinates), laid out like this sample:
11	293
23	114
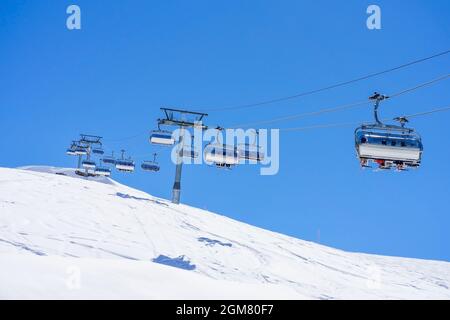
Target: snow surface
66	237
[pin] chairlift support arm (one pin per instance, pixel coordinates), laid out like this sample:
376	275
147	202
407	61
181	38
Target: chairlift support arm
181	123
90	139
377	97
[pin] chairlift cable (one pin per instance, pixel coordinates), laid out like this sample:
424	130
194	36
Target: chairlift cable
301	115
414	115
344	124
329	110
336	85
342	107
444	77
316	91
127	138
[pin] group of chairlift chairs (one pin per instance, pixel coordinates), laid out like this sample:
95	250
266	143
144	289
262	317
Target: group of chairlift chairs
122	164
386	146
78	148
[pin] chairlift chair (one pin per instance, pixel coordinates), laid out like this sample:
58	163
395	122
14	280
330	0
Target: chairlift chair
88	164
98	151
109	159
102	171
80	151
105	172
71	151
162	137
251	151
150	165
125	165
222	155
388	146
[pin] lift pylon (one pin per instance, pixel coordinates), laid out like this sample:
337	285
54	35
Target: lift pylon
184	119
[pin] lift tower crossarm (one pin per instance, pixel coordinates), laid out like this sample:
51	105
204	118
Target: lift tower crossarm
184	124
167	111
90	139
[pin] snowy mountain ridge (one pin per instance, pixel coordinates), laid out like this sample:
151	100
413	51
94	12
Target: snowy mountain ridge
113	241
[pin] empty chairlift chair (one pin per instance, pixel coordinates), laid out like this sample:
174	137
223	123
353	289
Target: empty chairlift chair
150	165
109	159
98	151
88	164
80	151
221	155
102	170
125	165
252	152
71	151
161	137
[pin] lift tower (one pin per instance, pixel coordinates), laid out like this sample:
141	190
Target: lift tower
87	141
183	119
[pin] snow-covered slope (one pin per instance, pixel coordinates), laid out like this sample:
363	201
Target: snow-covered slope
67	237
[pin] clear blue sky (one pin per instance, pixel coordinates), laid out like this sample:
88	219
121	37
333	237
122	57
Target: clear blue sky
132	57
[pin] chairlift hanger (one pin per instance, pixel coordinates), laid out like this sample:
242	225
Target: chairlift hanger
377	98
